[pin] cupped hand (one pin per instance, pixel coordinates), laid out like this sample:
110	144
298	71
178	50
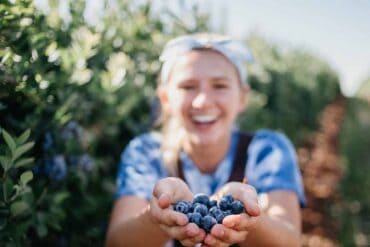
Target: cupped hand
235	228
166	192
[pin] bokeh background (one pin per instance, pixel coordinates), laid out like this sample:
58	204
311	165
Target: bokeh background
78	80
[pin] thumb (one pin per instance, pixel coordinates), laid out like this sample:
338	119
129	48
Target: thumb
170	190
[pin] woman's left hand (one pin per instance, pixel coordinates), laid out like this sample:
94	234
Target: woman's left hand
235	228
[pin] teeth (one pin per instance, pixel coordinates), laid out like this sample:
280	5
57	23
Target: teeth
204	118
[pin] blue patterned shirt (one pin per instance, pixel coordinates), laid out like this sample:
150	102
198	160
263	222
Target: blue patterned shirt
272	165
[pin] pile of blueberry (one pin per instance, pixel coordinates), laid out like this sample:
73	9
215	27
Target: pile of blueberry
206	213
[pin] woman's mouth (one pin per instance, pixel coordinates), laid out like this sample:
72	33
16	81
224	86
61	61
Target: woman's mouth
204	119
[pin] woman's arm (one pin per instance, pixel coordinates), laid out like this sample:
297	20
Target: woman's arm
277	224
134	221
130	224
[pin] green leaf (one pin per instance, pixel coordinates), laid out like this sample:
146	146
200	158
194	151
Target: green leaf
23	137
9	141
22	149
23	162
42	230
3	222
26	177
60	197
6	190
18	208
6	162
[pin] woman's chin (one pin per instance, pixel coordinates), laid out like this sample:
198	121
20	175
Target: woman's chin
203	139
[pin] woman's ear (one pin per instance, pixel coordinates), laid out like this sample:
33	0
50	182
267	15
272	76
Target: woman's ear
163	96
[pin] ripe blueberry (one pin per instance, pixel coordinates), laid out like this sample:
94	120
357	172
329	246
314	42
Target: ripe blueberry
183	207
202	209
208	222
237	207
201	198
212	203
195	218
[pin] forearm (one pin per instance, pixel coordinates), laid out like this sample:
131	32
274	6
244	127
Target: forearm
136	231
273	232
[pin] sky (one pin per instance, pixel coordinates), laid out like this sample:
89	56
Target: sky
338	31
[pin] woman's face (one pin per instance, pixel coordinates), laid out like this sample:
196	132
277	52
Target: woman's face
205	95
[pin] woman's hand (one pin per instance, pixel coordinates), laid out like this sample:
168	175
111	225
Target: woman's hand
235	228
166	192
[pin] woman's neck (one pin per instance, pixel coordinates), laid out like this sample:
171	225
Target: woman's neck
207	157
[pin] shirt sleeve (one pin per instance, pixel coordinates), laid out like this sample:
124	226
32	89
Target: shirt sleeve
139	168
272	164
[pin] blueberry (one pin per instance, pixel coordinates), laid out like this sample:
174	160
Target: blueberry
212	210
202	209
212	203
227	212
195	218
201	198
237	207
229	198
224	204
218	215
56	167
182	207
208	222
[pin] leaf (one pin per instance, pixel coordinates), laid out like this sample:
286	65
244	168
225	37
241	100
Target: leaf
23	162
23	137
3	222
9	141
26	177
18	208
42	230
60	197
5	162
22	149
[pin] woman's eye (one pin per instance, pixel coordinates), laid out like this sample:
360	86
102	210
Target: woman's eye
220	86
187	87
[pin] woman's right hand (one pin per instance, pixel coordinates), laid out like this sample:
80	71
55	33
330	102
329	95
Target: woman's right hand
175	224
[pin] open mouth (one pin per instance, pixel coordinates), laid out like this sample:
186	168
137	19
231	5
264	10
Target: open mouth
204	120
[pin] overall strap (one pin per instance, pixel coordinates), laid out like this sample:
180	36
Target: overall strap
239	165
241	158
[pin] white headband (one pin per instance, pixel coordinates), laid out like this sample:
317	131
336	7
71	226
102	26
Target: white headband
235	51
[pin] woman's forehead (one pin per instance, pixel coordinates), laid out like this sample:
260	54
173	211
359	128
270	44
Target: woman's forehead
206	63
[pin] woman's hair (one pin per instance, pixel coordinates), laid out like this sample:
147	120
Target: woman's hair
172	131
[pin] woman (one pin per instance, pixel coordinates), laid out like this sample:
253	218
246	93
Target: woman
203	89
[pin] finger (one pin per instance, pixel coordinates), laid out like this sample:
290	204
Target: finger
211	240
182	232
248	196
252	207
228	235
167	216
194	240
175	188
164	201
246	223
240	222
232	221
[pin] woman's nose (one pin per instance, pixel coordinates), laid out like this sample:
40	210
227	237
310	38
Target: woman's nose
202	99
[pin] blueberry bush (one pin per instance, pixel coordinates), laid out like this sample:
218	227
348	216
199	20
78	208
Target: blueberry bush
82	87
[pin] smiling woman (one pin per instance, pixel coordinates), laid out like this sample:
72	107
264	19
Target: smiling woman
203	89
